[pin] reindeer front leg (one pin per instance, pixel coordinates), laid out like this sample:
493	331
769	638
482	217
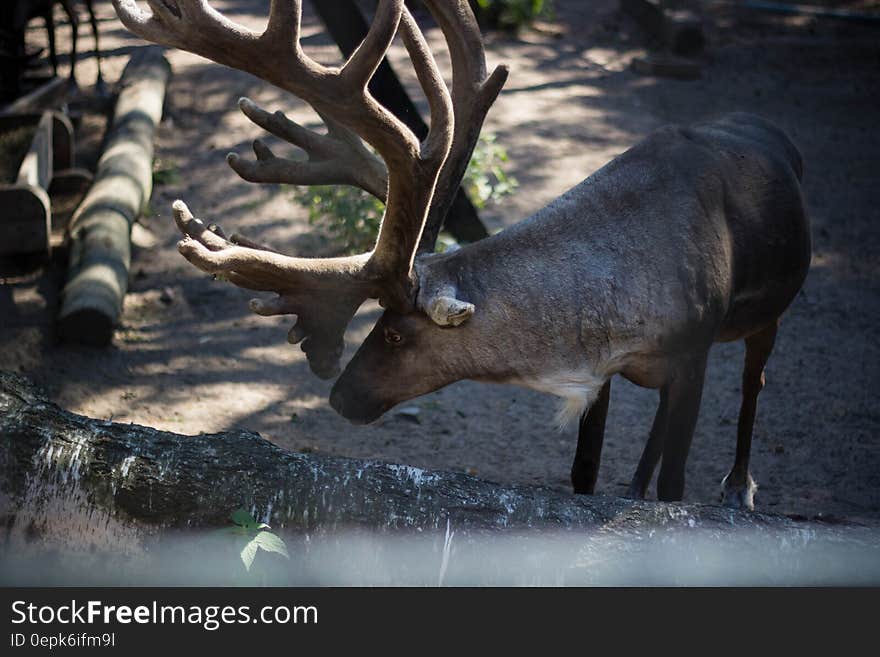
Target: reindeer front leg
591	434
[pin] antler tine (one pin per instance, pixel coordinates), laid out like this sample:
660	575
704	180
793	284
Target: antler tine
194	26
439	139
393	140
472	95
412	167
276	56
147	25
284	26
336	130
342	95
407	208
364	61
339	157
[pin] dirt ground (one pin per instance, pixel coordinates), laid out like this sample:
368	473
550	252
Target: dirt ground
190	358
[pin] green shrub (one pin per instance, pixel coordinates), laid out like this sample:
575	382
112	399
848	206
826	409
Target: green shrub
510	15
351	217
485	180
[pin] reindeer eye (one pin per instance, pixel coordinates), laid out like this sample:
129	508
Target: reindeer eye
392	336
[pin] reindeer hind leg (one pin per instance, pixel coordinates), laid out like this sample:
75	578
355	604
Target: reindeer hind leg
638	487
738	487
685	394
672	430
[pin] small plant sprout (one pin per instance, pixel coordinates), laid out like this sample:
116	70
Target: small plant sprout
253	537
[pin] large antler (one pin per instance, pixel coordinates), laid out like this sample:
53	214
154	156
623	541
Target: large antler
325	293
473	93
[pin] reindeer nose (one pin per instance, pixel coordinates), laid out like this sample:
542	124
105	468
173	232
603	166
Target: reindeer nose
343	405
357	409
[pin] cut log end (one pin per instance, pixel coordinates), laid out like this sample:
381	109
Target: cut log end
87	326
26	225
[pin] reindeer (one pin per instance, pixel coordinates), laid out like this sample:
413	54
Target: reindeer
696	235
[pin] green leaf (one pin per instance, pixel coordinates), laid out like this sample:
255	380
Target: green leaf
248	552
243	519
271	543
266	541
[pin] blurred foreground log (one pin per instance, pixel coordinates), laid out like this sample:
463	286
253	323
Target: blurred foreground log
81	482
100	230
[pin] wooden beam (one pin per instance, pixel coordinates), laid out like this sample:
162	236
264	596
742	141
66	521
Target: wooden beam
36	167
48	95
25	215
677	30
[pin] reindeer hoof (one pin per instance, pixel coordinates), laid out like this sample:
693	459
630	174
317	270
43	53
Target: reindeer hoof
738	493
635	491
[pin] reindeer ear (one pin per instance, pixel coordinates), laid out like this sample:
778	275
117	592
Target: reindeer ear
448	311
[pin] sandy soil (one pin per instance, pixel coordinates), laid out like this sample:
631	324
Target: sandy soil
190	358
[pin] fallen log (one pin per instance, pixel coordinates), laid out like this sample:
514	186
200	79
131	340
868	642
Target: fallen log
100	230
116	504
157	480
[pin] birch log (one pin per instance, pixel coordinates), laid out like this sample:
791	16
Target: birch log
68	474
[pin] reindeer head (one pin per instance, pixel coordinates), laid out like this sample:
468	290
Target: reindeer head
417	180
416	352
